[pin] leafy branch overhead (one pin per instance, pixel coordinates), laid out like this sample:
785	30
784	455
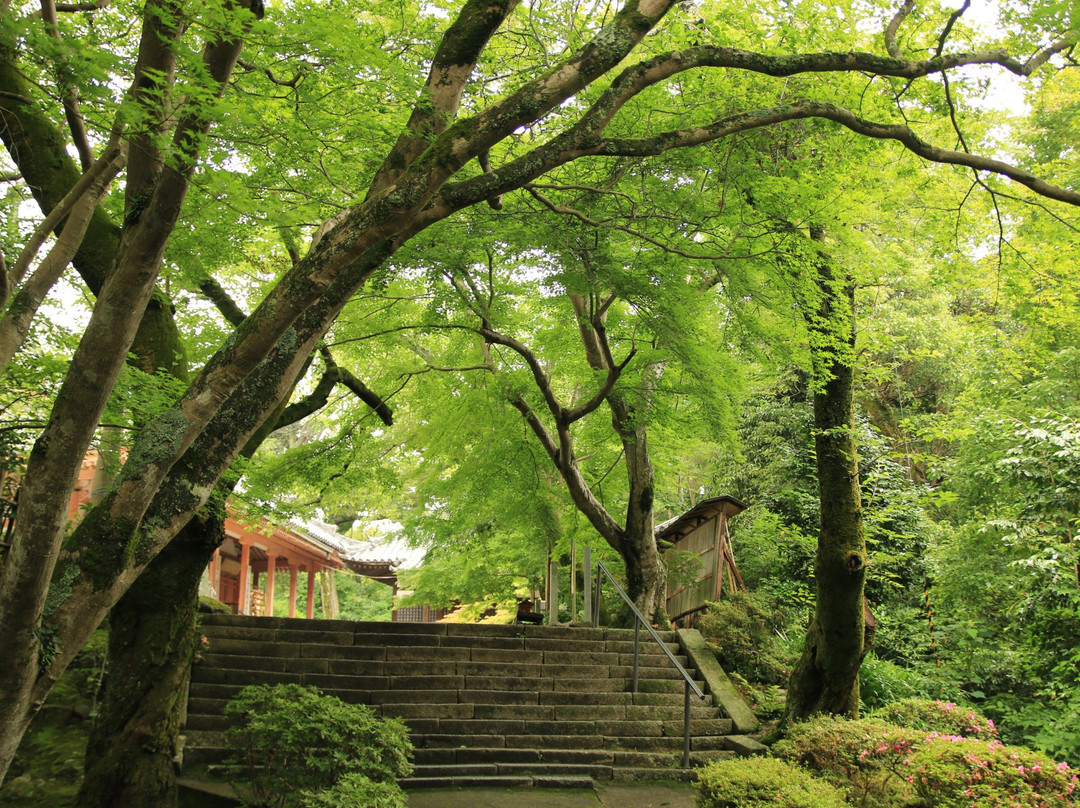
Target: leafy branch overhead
353	131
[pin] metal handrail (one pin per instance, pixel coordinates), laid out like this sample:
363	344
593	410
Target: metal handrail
639	621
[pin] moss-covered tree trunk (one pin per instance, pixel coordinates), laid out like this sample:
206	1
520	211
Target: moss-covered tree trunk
826	677
130	757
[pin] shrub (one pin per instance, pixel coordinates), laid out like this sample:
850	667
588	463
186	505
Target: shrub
753	782
882	682
864	757
943	717
886	766
353	791
742	631
949	771
296	744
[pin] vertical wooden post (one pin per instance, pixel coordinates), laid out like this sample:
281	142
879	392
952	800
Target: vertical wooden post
588	586
243	585
573	580
271	568
718	544
292	590
311	592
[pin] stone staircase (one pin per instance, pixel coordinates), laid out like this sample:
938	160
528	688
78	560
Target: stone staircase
486	705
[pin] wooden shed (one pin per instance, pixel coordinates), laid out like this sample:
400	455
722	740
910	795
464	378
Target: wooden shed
703	531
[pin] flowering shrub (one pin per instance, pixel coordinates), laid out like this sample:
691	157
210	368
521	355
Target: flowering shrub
938	716
885	766
864	757
202	647
948	771
763	783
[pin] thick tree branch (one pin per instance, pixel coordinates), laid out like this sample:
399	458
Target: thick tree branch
359	389
811	109
223	302
543	384
894	25
451	67
333	375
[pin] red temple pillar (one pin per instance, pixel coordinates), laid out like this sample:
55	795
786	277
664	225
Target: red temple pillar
243	586
311	592
292	591
271	566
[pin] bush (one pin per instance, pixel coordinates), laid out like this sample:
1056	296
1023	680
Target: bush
882	682
297	745
864	757
742	632
886	766
354	791
753	782
948	771
942	717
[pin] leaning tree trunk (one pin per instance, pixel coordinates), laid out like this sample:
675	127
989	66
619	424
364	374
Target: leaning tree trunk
132	749
826	677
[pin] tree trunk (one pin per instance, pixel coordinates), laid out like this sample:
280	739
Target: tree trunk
826	677
132	750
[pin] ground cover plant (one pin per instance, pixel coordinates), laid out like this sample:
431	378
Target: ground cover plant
761	782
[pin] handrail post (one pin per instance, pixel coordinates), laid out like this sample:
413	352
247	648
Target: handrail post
587	580
596	606
637	632
686	726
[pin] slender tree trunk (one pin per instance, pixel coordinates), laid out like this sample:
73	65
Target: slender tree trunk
826	677
131	754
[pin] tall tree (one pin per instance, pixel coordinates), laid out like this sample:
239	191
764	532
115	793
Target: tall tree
50	602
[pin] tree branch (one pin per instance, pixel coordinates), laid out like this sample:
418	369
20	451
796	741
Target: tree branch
811	109
894	25
15	323
223	302
581	217
111	161
451	67
68	92
956	15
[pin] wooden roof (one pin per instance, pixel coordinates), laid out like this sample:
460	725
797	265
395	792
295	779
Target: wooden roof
674	529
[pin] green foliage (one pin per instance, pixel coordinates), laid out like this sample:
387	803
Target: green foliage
48	767
864	757
354	790
885	766
291	739
742	631
954	772
943	717
882	682
764	782
361	598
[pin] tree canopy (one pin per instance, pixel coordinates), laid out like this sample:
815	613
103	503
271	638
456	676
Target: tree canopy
503	218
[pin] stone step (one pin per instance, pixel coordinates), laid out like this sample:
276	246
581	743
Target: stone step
424	668
244	626
506	705
535	769
450	756
611	653
212	698
500	782
336	683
